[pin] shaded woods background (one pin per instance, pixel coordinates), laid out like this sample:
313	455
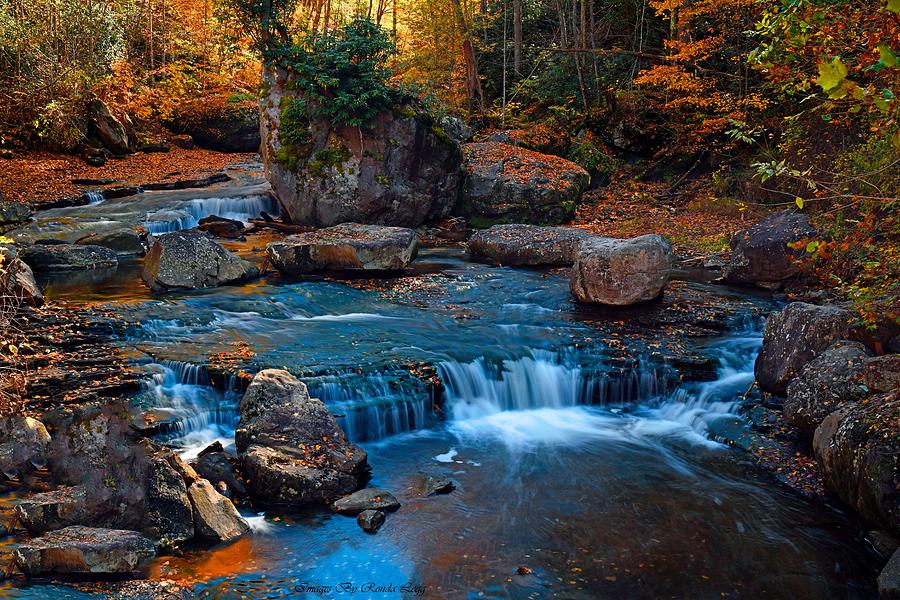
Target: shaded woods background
735	104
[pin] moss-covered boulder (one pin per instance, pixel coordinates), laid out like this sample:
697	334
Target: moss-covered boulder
402	169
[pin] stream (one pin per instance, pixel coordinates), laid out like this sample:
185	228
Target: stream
584	467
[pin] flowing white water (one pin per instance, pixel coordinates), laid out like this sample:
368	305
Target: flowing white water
188	215
95	197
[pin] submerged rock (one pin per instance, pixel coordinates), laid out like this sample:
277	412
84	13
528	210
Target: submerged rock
825	384
527	245
621	272
761	253
85	551
350	246
190	260
401	169
24	445
125	242
795	336
367	499
44	258
221	227
371	520
293	452
215	517
507	183
858	448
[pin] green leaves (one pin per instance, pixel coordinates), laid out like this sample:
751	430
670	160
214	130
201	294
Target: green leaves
893	6
832	76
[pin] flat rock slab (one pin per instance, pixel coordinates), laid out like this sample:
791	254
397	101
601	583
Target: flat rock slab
124	242
346	247
367	499
621	272
44	258
527	245
85	551
190	260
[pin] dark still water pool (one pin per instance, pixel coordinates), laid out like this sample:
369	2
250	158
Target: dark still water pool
583	467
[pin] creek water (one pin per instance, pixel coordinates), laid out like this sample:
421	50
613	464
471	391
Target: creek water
582	470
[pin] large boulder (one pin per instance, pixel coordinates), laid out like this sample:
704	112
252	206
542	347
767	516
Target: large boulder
85	551
24	445
507	183
123	241
402	169
293	451
825	384
190	260
621	272
221	227
59	508
106	128
527	245
760	254
858	448
215	517
795	336
44	258
882	373
17	279
350	246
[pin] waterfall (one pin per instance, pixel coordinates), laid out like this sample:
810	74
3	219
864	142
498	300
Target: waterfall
541	380
167	221
240	208
94	197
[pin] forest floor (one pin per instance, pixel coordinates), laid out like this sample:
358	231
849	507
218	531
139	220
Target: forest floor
693	218
37	178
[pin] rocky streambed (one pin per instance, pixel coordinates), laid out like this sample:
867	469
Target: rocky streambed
536	446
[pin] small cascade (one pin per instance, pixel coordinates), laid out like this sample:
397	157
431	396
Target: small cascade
168	221
240	208
194	413
541	381
375	406
94	197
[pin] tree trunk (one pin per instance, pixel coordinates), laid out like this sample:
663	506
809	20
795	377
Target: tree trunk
473	85
517	37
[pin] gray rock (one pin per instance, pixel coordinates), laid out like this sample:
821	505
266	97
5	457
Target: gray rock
217	468
621	272
170	516
215	517
795	336
350	246
107	128
292	450
761	252
20	283
883	542
45	258
858	448
401	169
59	508
882	373
889	579
527	245
371	520
825	384
13	213
85	551
507	183
438	485
125	242
24	445
366	499
190	260
456	128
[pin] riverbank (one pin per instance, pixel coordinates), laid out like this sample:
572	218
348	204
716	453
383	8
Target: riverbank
41	178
